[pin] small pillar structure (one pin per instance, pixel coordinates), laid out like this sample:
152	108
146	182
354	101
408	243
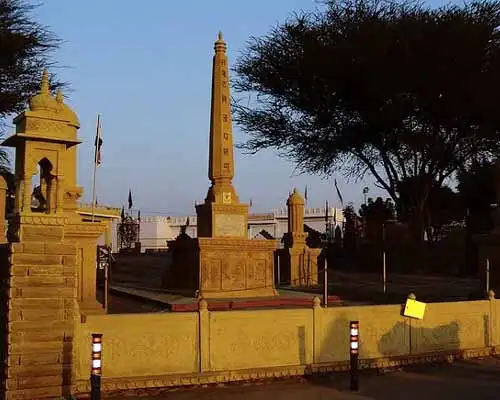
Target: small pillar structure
299	262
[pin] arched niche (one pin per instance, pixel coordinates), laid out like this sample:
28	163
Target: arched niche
43	186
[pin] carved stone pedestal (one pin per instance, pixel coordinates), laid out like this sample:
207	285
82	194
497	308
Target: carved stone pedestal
223	267
303	266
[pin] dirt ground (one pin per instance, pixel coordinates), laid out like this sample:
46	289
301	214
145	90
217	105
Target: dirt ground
146	271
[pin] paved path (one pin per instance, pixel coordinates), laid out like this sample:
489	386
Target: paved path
463	380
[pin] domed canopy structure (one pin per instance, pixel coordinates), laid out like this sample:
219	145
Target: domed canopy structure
44	103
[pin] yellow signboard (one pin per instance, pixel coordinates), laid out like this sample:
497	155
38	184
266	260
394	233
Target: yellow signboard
414	309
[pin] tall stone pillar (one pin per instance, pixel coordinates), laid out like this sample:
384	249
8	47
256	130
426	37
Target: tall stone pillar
299	263
38	266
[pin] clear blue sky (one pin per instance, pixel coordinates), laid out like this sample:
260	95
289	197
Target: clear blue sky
146	67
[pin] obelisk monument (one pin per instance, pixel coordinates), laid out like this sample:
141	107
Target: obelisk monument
221	214
222	262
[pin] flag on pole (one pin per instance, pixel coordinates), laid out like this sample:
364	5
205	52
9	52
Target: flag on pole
98	141
338	193
130	203
305	193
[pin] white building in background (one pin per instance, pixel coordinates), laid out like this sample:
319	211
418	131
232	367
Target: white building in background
155	231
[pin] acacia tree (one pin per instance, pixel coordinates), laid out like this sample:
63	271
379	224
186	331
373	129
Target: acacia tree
399	90
26	47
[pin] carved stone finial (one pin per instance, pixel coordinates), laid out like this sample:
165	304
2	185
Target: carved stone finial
412	296
44	87
59	97
203	305
316	302
491	294
220	44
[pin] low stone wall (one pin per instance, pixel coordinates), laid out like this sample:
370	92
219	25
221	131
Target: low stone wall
171	349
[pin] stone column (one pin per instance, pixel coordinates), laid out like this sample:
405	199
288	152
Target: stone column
39	324
301	261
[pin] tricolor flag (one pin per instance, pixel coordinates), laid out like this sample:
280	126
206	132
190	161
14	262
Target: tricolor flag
98	141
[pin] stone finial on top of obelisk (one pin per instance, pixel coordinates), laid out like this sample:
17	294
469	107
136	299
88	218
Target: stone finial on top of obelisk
221	153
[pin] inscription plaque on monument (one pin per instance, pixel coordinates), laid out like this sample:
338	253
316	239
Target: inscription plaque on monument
230	225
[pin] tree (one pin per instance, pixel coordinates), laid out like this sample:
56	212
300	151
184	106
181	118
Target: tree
477	188
26	47
401	91
378	210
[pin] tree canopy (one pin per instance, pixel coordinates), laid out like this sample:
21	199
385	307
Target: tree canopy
379	210
26	49
396	89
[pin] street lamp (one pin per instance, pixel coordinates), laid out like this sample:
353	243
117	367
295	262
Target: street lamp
96	367
354	353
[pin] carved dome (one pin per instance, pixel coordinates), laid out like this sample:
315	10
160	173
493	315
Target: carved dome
44	102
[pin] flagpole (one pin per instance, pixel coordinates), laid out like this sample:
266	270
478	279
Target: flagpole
98	136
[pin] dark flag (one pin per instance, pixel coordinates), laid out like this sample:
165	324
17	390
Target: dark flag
338	193
130	203
98	142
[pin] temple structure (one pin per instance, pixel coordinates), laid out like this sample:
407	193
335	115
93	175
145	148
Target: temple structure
222	261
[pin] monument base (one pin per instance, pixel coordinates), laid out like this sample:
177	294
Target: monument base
222	267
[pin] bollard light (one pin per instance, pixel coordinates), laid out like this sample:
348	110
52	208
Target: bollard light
96	367
354	353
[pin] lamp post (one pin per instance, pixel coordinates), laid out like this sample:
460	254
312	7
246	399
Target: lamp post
354	353
96	367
